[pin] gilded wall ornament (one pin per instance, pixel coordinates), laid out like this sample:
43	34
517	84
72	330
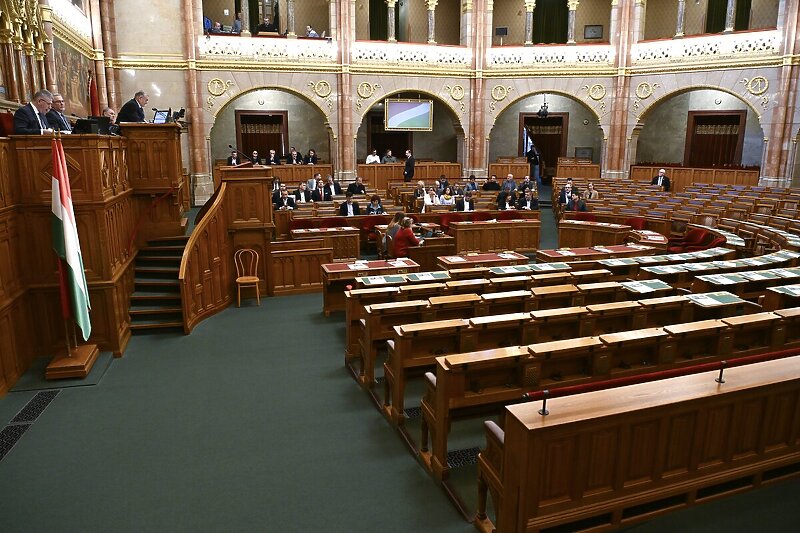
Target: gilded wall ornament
499	93
644	90
756	86
456	92
366	90
322	88
217	87
596	92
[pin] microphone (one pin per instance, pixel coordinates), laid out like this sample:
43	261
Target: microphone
242	154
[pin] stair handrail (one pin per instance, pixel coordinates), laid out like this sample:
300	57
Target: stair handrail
206	206
218	294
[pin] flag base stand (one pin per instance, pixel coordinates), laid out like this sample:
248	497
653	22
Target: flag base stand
77	365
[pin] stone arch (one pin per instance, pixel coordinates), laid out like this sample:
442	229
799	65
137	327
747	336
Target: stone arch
663	98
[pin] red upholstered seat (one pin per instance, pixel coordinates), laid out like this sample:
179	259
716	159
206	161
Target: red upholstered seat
693	237
6	124
333	222
635	222
718	241
584	216
508	215
446	218
368	224
480	216
301	223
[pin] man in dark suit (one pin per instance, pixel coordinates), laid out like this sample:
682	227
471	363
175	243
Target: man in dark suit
661	180
294	157
233	159
133	110
302	194
507	200
408	171
528	202
357	187
30	119
56	118
349	208
467	203
318	194
273	159
285	202
331	189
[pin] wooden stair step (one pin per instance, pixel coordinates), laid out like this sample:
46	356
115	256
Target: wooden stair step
155	325
154	311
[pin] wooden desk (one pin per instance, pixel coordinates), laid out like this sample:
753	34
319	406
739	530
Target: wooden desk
291	175
430	250
345	241
594	254
580	233
448	262
592	460
519	235
379	175
648	238
781	297
336	277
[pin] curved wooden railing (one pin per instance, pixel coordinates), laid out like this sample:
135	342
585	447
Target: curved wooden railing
204	276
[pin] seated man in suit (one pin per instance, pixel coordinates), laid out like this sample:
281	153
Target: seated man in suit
388	158
56	118
294	157
661	180
233	159
466	203
318	194
526	184
113	129
471	184
510	184
277	187
302	195
507	200
31	119
349	208
266	26
332	188
373	158
566	193
133	110
528	202
357	187
273	159
491	184
284	202
256	159
311	158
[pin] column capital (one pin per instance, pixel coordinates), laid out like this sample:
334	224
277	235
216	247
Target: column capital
431	4
530	5
466	5
572	5
640	2
391	3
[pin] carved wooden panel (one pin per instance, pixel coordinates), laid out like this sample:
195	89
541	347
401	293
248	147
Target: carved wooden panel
16	350
298	271
154	156
7	170
640	462
600	476
557	469
678	452
10	266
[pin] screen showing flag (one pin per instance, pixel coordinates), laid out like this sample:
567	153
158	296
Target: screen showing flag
407	115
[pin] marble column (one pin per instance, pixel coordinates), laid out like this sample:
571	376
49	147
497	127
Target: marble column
245	18
8	65
49	55
477	140
530	5
290	19
391	14
431	20
681	19
627	28
99	55
572	5
730	16
199	151
345	138
112	96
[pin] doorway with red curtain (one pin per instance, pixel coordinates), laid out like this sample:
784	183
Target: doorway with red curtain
714	138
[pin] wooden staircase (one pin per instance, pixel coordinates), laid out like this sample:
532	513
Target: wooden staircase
156	299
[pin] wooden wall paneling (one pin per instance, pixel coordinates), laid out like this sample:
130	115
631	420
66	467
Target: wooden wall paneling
501	170
11	283
292	175
17	349
154	156
7	170
298	271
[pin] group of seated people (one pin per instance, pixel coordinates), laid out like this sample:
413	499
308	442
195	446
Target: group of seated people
293	158
511	195
570	198
46	113
375	158
400	236
236	27
317	190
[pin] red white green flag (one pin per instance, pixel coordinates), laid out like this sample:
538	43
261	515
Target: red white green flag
65	243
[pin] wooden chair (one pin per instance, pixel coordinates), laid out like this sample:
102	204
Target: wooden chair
246	261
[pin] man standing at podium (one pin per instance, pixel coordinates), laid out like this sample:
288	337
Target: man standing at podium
133	110
233	160
661	180
31	119
56	118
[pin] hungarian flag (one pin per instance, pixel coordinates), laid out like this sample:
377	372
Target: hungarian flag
74	291
91	91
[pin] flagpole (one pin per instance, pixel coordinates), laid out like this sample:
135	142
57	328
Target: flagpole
66	337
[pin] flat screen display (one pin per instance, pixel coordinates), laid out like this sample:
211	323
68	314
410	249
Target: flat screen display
408	115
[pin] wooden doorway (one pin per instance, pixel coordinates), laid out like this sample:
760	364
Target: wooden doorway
549	135
381	140
714	138
262	131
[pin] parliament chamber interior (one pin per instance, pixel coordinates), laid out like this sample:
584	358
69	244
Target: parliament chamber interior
399	265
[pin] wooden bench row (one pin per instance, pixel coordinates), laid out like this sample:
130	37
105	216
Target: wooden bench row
466	384
605	460
415	346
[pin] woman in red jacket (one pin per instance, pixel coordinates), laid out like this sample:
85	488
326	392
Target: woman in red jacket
404	239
